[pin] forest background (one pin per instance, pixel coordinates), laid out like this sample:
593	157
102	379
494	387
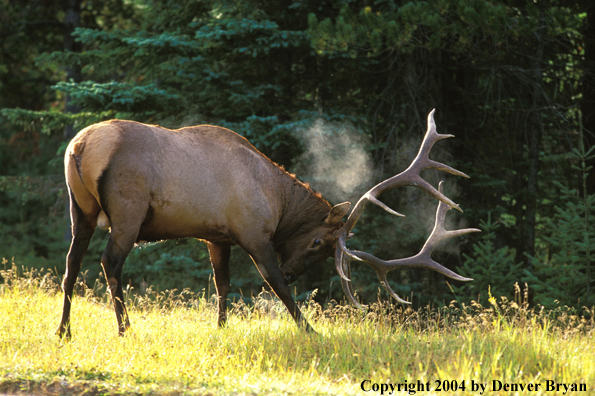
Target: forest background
337	92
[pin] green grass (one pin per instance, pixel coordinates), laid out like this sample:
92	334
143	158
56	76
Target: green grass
174	346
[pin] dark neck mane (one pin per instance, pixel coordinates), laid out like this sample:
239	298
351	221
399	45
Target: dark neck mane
301	207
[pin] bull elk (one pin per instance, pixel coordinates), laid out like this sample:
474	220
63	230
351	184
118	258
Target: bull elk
149	183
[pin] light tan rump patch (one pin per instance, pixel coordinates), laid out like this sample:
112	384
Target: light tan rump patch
86	157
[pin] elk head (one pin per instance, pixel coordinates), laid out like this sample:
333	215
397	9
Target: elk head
313	244
409	177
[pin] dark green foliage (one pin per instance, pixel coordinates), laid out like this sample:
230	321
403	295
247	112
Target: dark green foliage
491	269
118	96
169	265
506	78
462	57
563	273
237	70
185	264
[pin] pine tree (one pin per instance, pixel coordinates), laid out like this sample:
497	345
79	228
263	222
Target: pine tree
491	269
564	272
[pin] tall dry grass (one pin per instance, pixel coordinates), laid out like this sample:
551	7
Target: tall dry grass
174	346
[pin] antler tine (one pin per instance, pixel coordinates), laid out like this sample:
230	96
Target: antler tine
343	264
409	177
346	285
439	233
384	283
422	259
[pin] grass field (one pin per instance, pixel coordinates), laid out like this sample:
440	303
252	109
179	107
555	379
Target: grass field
175	348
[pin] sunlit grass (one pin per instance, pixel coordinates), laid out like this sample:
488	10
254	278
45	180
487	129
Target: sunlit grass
174	346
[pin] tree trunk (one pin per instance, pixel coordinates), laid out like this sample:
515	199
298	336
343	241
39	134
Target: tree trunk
534	139
588	102
72	20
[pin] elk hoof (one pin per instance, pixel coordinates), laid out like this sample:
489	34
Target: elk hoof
64	332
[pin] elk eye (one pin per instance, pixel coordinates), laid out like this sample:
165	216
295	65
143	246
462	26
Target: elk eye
317	242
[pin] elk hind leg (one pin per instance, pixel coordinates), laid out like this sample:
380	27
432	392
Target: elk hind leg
124	231
220	261
83	228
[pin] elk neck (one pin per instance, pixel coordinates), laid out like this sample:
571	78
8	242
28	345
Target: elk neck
302	209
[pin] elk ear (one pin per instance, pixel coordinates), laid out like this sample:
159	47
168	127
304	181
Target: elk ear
337	212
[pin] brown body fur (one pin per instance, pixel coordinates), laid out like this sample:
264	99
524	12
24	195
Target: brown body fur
149	183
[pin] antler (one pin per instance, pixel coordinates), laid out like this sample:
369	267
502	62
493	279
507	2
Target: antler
409	177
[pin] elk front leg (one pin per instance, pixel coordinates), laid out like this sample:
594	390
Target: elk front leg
220	261
265	259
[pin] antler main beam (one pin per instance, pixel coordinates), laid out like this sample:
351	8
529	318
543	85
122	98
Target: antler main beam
409	177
